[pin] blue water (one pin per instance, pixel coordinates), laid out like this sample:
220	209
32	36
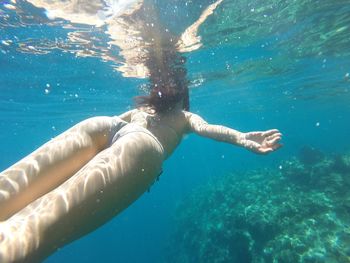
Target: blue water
247	85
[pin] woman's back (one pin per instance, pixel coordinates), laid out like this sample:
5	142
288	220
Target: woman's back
167	127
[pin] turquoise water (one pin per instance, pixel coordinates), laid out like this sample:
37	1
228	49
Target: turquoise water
262	64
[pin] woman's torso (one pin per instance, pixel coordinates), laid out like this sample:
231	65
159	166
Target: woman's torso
168	128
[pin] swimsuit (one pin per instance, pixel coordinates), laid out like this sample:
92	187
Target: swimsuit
135	128
131	128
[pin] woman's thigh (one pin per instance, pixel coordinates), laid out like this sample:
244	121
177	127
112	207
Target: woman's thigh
106	185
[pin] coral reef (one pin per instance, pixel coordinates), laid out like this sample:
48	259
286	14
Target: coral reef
309	155
298	213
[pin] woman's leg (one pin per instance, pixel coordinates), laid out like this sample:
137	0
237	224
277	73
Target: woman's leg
54	163
100	190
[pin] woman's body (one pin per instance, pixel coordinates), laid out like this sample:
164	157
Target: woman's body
75	188
87	175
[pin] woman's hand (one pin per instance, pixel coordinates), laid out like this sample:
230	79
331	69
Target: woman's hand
262	142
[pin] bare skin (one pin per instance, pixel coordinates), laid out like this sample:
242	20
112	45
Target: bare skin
78	181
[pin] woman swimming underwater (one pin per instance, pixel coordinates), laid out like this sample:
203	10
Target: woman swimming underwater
87	175
90	173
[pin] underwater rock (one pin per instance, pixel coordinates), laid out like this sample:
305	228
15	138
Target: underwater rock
309	155
300	213
341	163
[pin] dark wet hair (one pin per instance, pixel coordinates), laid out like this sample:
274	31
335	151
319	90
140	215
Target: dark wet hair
167	76
164	99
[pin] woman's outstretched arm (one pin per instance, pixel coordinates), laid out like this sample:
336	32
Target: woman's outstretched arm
261	142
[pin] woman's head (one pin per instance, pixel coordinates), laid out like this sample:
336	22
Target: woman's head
168	86
165	98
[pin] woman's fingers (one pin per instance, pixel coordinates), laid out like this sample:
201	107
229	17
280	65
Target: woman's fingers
265	150
270	148
274	136
264	142
271	132
273	140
